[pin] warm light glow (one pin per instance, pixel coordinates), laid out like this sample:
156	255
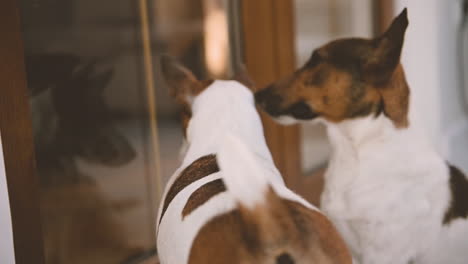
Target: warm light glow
216	38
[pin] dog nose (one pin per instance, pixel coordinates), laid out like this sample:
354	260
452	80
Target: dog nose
302	111
260	96
269	100
266	95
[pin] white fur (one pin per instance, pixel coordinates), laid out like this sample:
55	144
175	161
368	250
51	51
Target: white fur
387	191
225	107
285	120
244	173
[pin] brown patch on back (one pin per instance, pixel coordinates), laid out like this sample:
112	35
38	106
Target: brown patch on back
200	168
202	195
459	189
330	241
270	232
220	241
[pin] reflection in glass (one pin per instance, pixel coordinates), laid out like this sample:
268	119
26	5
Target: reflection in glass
107	134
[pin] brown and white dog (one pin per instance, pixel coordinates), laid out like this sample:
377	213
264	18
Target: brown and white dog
391	195
227	203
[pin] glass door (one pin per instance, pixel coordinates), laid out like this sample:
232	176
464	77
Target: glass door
106	133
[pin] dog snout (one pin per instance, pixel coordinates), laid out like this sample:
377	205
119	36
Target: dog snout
260	97
269	101
302	111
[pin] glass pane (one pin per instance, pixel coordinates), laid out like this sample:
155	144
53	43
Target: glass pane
318	22
107	133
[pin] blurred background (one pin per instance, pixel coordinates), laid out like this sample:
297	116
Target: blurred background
107	135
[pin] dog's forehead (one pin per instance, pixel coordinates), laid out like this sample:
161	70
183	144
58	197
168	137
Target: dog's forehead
345	52
350	47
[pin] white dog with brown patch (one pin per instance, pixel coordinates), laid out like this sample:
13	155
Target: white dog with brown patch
391	195
227	203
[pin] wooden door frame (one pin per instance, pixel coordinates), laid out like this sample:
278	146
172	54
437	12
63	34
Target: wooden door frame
268	48
268	29
383	15
17	140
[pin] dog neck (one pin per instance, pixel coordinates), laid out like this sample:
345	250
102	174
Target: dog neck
354	141
361	131
226	107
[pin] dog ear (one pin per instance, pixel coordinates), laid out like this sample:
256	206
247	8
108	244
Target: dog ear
183	86
384	71
395	98
383	60
181	81
241	75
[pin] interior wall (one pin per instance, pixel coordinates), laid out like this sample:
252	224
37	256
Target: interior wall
420	58
430	57
6	234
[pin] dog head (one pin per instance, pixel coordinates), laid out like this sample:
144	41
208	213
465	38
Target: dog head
86	122
185	87
345	79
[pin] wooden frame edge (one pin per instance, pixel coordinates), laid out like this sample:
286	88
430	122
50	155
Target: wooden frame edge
17	140
268	47
383	15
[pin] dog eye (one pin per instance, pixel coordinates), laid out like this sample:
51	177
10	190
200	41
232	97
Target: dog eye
317	78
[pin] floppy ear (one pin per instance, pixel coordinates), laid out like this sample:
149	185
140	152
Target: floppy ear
181	81
383	60
241	75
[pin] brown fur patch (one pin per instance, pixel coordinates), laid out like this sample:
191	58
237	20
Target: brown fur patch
459	189
185	107
219	241
335	96
395	96
200	168
202	195
340	96
330	241
278	228
183	85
